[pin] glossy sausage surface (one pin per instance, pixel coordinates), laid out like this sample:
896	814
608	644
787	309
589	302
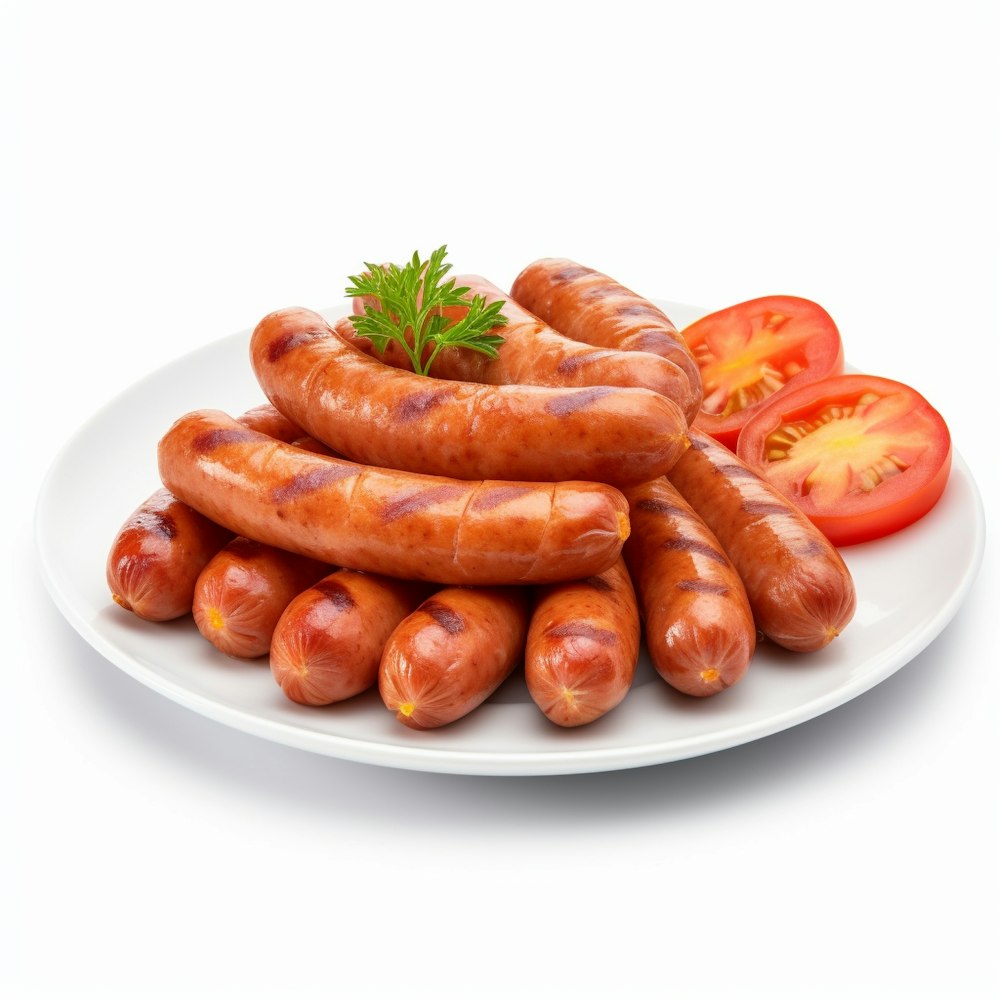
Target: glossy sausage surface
243	590
384	521
383	416
587	305
582	646
452	653
699	629
800	590
328	642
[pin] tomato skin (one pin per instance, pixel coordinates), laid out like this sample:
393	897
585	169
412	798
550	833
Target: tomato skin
895	502
807	340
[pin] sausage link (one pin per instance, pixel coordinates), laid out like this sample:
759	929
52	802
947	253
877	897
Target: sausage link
328	642
385	521
699	629
390	418
582	646
452	653
800	590
533	353
157	554
242	591
586	305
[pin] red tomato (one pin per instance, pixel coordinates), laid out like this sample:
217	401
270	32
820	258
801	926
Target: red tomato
861	456
753	351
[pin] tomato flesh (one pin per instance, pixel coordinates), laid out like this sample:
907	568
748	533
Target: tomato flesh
751	352
861	456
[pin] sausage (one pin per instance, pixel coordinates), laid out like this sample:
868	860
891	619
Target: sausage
384	521
800	590
382	416
158	552
586	305
583	646
452	653
242	591
328	642
532	353
699	629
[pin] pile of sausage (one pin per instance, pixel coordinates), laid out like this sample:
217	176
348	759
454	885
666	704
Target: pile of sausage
549	507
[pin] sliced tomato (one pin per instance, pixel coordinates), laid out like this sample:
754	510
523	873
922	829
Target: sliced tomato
861	456
751	352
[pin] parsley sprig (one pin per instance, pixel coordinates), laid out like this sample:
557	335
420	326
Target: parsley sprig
411	298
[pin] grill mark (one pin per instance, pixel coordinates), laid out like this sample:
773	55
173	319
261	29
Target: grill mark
652	341
310	480
491	497
703	587
733	471
208	441
603	292
448	618
639	309
694	545
765	508
418	404
157	522
599	583
583	630
287	342
570	273
419	500
337	594
572	402
654	506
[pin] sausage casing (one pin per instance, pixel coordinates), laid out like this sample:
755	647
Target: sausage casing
385	521
452	653
586	305
800	590
699	629
582	646
242	591
387	417
328	642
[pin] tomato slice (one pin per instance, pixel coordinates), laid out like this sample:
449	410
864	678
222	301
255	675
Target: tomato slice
751	352
862	456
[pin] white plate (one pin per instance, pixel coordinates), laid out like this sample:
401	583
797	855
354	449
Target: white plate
909	587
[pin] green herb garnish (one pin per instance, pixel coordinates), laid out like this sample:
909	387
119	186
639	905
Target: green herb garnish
411	299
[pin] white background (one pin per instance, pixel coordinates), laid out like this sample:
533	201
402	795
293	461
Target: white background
170	173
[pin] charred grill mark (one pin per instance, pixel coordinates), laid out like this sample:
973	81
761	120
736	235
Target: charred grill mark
337	594
448	618
413	503
809	548
583	630
287	342
417	404
210	440
695	546
487	498
765	508
157	522
310	480
570	273
654	506
599	583
703	587
578	399
655	341
734	471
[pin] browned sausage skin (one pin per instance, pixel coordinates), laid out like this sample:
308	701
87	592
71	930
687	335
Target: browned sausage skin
385	521
582	646
328	642
242	591
799	587
157	554
699	629
586	305
533	353
390	418
452	653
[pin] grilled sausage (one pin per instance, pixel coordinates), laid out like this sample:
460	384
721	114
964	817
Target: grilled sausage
586	305
328	642
582	646
390	418
452	653
800	590
242	591
159	551
383	521
699	629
